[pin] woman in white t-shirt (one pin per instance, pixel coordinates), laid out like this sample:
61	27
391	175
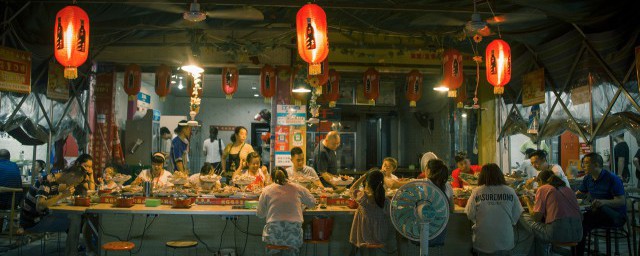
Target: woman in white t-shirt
281	204
494	209
158	176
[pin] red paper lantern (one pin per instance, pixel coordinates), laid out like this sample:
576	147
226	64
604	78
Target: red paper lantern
229	81
498	57
268	82
191	84
332	89
313	43
163	81
452	68
371	82
413	87
132	80
320	79
71	39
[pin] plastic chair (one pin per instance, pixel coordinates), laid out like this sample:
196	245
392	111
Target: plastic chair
118	246
176	245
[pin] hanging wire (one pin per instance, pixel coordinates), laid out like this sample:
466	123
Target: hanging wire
494	18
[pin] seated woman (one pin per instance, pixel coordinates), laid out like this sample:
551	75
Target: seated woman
555	217
158	176
426	157
281	204
251	168
371	220
197	181
494	209
438	174
390	165
85	161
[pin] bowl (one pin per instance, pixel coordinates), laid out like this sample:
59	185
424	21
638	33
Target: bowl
181	202
82	201
105	191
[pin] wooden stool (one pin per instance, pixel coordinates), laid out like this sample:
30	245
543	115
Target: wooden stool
118	246
315	245
181	245
571	245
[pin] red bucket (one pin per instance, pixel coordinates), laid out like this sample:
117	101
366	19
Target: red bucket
322	228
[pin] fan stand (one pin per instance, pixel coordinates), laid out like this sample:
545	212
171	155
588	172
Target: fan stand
424	231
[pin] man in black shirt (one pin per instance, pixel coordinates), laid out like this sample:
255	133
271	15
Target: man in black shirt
621	158
325	158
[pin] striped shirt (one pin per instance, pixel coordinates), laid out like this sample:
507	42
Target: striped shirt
44	187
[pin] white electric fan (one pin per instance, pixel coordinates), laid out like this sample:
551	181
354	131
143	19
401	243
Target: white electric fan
420	212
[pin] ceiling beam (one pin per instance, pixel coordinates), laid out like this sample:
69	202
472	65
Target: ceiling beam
287	4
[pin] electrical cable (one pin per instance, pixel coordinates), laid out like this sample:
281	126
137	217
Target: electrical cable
246	238
235	244
222	235
130	225
144	232
245	232
193	230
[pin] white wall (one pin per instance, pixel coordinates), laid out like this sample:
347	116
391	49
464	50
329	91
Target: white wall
121	101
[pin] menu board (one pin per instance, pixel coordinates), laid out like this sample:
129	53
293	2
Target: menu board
15	70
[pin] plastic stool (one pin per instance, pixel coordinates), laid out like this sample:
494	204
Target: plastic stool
118	246
315	245
572	246
608	233
181	245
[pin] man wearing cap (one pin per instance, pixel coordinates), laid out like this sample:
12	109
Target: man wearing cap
180	147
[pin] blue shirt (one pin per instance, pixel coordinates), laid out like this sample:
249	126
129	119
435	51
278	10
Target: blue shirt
605	187
179	152
9	177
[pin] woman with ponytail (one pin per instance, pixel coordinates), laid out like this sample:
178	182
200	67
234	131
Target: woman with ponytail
555	216
281	204
438	173
371	221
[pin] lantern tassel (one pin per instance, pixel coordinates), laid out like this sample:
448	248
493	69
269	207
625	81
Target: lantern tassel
412	103
315	69
319	90
132	97
267	100
70	73
498	90
460	105
452	94
229	96
372	102
332	104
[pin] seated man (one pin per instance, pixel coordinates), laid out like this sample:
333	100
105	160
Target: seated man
46	192
9	178
464	166
608	206
539	161
299	169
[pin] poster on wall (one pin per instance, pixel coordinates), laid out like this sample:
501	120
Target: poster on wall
57	85
291	114
290	132
15	70
533	88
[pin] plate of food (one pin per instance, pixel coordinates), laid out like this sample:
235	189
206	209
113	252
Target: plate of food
469	178
179	178
243	179
120	178
342	180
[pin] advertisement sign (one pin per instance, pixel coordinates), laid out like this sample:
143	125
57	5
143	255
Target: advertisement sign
57	85
291	114
533	88
15	70
290	132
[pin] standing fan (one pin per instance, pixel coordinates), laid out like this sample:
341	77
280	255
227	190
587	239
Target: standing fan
420	212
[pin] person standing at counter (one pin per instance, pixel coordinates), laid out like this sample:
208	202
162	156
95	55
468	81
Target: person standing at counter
158	176
165	145
621	158
237	150
281	204
252	168
180	147
325	158
10	178
608	206
555	216
494	208
212	149
371	220
539	161
464	166
299	169
85	161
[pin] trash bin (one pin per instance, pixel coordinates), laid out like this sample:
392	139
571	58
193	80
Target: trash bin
322	227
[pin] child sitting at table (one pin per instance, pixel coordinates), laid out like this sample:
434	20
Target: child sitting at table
371	220
281	204
390	165
205	179
252	172
107	182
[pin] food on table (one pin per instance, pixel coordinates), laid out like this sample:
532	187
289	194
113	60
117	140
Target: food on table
461	193
179	178
243	179
469	178
120	178
210	178
342	180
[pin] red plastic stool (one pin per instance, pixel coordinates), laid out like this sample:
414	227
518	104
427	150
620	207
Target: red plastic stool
118	246
571	245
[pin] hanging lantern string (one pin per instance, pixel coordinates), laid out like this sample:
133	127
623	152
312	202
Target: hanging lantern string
494	18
